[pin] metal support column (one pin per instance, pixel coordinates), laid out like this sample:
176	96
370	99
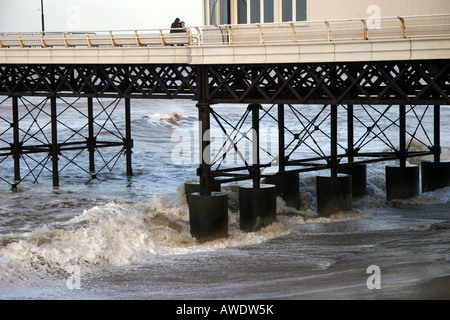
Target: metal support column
257	202
402	136
334	145
91	138
255	145
129	141
281	139
16	146
334	193
54	149
437	133
208	211
350	134
435	173
287	183
402	182
357	171
204	112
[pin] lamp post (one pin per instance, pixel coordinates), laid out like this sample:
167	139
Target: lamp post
42	15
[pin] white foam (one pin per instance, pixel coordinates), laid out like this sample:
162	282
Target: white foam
117	234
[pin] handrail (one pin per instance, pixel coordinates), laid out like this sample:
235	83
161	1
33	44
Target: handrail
357	29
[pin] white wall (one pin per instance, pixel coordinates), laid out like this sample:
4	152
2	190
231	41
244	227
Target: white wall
342	9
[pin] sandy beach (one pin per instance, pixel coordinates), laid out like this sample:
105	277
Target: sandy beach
435	288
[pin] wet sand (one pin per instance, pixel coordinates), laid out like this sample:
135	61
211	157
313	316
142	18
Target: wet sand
435	288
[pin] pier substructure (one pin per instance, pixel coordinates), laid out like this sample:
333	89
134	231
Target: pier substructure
436	173
402	181
313	141
358	172
287	183
334	193
50	134
312	97
208	210
257	202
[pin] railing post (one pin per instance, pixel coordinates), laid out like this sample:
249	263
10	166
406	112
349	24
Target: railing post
113	42
366	36
294	35
261	36
138	41
88	40
66	43
403	27
230	35
190	38
327	24
44	45
22	45
200	36
163	41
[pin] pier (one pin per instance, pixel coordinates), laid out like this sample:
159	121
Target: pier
338	68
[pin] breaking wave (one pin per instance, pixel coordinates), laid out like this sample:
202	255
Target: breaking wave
117	234
170	120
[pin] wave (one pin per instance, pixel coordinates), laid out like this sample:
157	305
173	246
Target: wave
117	234
443	225
170	120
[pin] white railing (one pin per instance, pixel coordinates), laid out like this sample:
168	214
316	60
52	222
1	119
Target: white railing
407	27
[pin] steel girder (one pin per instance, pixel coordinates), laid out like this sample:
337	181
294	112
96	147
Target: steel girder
408	82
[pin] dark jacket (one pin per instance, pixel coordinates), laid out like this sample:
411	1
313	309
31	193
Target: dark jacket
175	25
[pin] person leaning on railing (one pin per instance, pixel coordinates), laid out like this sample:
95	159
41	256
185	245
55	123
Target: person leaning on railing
178	27
175	26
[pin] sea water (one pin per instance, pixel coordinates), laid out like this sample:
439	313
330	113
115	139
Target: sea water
119	237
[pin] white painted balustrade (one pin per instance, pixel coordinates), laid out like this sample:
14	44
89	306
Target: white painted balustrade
428	26
387	38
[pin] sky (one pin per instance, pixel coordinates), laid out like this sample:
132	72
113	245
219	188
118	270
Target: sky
97	15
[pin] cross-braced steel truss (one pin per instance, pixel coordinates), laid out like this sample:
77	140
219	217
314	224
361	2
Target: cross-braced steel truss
323	137
308	103
140	81
412	82
409	82
61	137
